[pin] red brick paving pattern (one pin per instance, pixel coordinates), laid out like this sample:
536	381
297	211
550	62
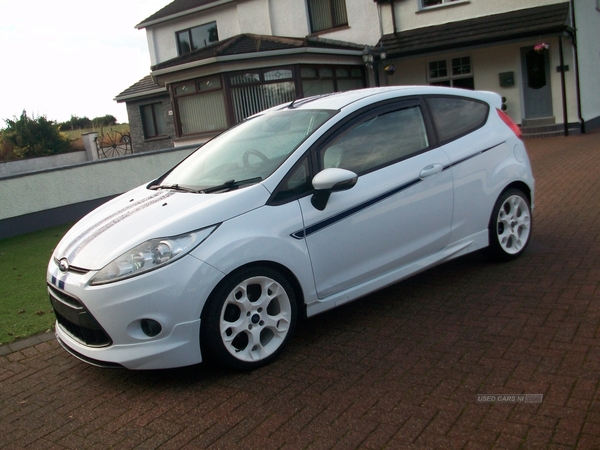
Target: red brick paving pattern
399	369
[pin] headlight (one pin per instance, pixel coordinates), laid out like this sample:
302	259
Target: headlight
150	255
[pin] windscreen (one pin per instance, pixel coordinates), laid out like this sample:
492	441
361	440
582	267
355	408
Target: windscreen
249	152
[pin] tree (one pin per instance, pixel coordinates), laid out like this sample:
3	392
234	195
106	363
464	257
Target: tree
28	137
104	121
76	123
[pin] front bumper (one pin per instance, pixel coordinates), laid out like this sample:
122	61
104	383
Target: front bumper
103	325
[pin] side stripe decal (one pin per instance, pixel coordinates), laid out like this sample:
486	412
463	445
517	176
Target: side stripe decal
301	234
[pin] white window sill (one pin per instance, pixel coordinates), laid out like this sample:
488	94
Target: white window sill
442	6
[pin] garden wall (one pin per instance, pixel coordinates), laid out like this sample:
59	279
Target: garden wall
43	162
44	198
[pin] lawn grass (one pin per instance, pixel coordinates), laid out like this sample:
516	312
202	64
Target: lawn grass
24	305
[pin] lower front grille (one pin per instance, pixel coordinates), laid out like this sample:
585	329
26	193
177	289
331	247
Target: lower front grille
76	320
92	361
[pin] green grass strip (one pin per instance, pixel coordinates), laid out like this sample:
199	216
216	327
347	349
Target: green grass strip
25	309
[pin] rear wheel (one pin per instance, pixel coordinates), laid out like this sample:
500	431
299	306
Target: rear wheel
510	225
249	318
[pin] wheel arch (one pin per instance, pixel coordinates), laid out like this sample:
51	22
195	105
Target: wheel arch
283	270
521	186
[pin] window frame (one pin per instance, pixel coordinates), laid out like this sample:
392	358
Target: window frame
332	26
442	4
313	154
372	112
450	76
336	77
429	108
197	91
154	117
188	31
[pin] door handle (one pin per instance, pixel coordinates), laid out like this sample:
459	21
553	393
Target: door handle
430	170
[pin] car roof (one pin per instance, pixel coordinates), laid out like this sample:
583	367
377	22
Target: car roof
363	97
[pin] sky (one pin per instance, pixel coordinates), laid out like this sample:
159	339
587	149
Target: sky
60	58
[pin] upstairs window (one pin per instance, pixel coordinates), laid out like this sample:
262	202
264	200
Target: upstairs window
430	3
326	14
197	37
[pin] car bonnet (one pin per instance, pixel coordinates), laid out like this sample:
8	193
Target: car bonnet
142	214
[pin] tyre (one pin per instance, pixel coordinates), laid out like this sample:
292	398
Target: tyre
510	226
249	318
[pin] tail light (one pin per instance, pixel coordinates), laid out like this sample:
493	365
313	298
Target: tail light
508	121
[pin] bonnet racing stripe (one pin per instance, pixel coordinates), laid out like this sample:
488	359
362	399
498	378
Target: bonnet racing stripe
98	228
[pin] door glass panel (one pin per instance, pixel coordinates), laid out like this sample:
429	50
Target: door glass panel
378	141
536	69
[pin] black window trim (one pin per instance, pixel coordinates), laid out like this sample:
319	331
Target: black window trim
189	34
333	26
147	137
438	142
363	114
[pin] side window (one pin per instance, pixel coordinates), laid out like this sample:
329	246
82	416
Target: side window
377	141
456	116
296	183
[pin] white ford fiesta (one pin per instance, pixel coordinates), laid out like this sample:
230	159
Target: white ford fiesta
295	211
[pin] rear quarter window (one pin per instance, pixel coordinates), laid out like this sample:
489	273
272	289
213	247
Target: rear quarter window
456	116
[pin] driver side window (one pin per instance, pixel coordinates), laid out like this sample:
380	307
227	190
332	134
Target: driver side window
296	183
378	141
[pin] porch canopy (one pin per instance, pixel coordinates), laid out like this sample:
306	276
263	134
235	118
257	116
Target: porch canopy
512	26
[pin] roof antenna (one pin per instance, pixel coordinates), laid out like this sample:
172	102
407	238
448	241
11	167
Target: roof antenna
291	105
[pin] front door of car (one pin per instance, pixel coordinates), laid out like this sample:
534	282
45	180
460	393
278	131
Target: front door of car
399	211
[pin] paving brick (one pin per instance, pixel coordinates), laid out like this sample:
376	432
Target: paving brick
398	369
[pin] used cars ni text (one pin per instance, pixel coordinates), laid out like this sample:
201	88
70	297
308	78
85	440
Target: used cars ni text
296	210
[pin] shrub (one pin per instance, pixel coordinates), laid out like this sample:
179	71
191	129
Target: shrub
28	137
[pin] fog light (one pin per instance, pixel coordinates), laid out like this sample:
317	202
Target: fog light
150	327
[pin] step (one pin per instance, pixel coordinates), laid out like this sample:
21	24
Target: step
538	122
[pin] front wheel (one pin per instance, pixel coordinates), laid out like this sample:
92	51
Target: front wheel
249	318
510	225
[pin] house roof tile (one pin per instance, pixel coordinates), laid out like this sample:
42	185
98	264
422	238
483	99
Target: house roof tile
174	8
145	86
524	23
253	43
240	44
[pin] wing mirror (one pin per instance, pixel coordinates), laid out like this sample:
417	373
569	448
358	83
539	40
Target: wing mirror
328	181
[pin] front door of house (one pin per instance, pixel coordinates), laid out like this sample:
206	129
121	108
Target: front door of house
537	93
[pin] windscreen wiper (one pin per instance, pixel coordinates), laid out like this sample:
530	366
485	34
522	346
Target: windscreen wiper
175	187
230	185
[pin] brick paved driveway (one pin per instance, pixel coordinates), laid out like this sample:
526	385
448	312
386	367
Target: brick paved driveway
399	369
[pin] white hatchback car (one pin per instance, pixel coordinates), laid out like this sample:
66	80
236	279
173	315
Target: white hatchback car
295	211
